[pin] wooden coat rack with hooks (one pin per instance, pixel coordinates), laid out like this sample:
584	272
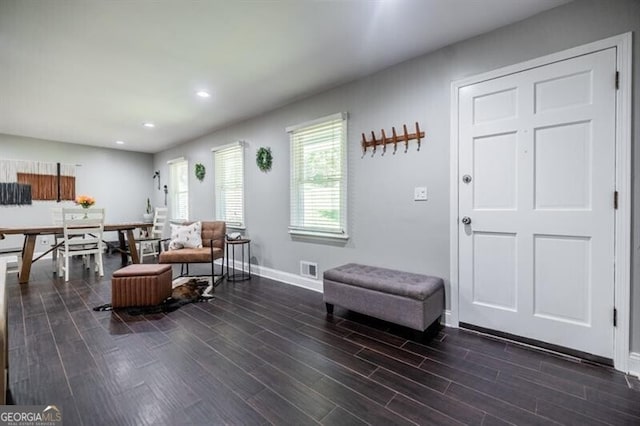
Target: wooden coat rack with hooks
395	139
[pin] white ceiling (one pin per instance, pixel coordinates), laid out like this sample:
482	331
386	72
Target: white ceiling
92	72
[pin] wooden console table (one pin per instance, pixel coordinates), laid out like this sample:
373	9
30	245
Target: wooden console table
31	234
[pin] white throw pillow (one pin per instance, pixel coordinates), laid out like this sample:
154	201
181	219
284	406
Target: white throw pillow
186	236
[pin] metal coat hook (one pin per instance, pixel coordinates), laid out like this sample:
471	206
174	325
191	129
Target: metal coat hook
395	140
406	138
375	143
384	142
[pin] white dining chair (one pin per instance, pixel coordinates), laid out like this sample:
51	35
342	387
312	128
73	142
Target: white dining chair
150	244
56	219
83	232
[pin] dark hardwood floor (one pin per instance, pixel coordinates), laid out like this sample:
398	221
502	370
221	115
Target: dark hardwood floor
263	352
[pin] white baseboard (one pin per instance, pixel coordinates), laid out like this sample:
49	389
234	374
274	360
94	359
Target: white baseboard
634	364
285	277
446	318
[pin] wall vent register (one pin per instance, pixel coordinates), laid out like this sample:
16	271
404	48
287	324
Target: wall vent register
309	269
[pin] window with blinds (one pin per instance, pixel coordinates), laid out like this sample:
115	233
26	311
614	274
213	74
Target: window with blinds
319	177
229	184
179	189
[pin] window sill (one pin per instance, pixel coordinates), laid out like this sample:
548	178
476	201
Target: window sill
238	227
318	235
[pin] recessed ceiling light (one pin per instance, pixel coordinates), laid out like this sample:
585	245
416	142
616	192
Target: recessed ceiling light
120	142
203	94
149	125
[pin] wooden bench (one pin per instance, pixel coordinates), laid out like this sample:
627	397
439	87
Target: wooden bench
411	300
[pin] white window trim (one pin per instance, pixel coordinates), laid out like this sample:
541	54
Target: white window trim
319	234
229	145
336	116
342	235
170	163
241	226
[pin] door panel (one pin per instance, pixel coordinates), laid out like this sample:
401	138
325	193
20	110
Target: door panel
495	106
561	284
563	91
494	270
494	171
562	166
537	258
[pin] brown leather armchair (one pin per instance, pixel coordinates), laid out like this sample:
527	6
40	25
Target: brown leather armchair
213	235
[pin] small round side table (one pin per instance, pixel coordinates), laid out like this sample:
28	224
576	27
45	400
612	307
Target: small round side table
244	272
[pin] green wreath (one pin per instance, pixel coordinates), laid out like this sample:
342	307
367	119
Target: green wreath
264	159
200	171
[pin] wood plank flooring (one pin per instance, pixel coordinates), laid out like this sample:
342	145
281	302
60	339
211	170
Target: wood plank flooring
263	352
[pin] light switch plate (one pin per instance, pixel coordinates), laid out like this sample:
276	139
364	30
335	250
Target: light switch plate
420	193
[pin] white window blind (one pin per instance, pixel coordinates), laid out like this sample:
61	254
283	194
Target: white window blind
179	189
229	184
318	177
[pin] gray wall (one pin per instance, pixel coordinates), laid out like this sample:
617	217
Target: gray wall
386	226
120	181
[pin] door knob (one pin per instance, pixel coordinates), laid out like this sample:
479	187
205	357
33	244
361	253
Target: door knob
466	220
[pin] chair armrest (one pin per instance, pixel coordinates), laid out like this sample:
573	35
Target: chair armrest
211	246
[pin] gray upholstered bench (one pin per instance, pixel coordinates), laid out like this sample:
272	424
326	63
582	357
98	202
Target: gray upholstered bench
412	300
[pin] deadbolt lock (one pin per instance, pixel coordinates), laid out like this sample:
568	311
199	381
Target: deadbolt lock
466	220
466	178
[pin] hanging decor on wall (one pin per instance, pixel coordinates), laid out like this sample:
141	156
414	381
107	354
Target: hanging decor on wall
394	139
156	174
14	194
24	181
264	159
200	171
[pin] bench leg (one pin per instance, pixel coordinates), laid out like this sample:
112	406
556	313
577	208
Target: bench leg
329	308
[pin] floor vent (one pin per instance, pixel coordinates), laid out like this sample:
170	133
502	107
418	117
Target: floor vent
309	269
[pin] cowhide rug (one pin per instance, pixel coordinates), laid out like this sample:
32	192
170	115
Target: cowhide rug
184	292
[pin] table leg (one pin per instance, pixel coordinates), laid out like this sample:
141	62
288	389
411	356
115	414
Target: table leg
233	260
227	259
27	258
243	273
133	251
123	248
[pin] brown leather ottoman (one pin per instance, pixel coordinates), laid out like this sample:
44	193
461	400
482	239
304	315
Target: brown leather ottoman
140	284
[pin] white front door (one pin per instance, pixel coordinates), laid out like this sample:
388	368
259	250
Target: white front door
537	181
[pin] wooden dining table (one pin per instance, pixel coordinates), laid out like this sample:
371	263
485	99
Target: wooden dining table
125	237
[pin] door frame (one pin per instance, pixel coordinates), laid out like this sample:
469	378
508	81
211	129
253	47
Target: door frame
622	217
